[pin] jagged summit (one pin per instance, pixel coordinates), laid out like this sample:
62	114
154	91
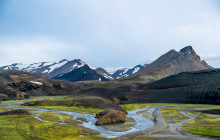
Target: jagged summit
187	49
174	62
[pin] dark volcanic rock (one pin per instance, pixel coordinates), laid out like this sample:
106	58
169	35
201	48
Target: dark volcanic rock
17	112
111	117
114	94
187	87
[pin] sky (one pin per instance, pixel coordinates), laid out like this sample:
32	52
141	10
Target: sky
107	33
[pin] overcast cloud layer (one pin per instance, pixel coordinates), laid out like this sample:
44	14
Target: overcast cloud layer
107	33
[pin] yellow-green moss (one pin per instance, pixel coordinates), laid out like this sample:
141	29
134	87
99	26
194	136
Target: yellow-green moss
22	127
172	115
55	117
204	124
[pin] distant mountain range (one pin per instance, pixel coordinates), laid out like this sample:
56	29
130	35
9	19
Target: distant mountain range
170	63
75	70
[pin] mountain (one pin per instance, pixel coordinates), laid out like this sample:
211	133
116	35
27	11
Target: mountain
174	62
104	73
54	69
125	72
171	63
84	73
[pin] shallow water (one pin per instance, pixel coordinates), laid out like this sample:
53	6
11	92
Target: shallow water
142	123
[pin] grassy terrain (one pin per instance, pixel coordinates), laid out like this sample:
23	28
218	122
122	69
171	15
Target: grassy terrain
204	124
130	107
57	117
9	102
129	122
172	115
79	109
25	127
65	104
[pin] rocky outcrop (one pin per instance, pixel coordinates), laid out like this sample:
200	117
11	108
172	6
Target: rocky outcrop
22	96
17	112
3	97
23	86
111	117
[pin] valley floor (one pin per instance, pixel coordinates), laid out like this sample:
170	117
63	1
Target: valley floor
55	121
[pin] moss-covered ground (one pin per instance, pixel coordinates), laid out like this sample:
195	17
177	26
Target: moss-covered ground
57	117
26	127
204	125
172	115
130	107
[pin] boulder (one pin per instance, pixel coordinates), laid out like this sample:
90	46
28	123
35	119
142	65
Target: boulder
111	117
22	95
17	112
3	97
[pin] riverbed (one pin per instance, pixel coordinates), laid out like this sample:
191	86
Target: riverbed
88	120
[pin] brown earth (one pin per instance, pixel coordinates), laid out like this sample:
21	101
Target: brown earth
111	117
17	112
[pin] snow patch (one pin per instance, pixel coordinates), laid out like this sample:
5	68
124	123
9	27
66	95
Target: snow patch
91	67
37	83
136	70
57	65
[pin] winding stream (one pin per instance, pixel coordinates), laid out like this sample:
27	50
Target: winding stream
142	123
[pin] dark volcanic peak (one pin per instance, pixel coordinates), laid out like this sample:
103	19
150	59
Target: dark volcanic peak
174	62
84	73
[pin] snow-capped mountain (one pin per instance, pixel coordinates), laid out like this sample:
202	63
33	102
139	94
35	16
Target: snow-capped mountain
85	73
104	73
124	72
54	69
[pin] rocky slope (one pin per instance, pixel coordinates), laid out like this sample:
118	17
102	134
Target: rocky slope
174	62
188	87
21	85
171	63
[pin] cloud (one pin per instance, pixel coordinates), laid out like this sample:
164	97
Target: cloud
210	56
36	49
108	33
